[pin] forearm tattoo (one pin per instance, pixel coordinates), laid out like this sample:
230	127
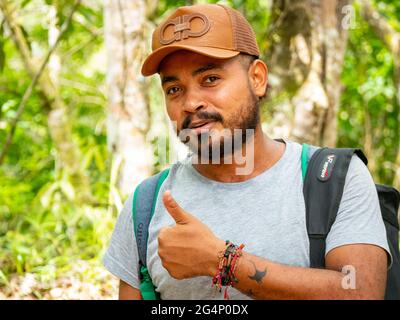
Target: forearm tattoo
259	275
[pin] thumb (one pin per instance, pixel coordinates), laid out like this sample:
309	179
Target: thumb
176	212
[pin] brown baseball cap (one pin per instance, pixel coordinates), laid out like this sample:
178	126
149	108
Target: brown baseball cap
210	29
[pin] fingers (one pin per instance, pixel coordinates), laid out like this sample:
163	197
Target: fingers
177	213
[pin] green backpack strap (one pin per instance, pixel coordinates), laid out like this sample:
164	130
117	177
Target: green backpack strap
305	157
143	205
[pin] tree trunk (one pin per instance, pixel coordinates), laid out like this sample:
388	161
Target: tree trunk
308	42
128	112
68	156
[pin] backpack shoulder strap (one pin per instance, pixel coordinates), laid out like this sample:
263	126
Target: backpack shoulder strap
306	154
324	173
143	205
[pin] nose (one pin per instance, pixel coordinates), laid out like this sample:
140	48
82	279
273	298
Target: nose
193	101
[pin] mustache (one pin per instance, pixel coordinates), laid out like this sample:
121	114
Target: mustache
202	115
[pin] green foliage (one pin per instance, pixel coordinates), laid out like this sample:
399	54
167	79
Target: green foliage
2	52
41	224
43	228
368	102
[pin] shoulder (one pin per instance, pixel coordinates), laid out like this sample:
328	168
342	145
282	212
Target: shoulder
358	178
359	218
175	168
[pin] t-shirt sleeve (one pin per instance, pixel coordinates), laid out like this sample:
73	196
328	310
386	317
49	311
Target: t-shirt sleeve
121	257
359	218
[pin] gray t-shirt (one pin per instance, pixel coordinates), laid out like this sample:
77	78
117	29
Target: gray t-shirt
266	213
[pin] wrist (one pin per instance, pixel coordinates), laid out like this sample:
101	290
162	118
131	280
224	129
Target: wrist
225	275
218	247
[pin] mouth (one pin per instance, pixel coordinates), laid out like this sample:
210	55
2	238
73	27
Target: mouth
201	126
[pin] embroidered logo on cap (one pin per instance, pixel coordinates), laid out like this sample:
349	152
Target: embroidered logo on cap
183	29
326	169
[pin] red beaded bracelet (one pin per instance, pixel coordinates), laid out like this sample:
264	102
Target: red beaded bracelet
225	275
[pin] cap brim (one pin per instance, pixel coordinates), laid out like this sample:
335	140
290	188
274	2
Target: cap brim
152	62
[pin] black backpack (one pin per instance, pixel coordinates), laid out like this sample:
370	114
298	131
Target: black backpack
324	172
323	189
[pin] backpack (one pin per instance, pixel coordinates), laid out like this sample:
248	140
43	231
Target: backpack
322	189
324	171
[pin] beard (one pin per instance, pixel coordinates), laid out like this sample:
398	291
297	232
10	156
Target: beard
215	145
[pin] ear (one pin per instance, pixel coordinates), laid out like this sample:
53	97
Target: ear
258	74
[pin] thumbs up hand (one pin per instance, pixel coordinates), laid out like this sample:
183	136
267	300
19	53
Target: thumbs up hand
189	248
177	213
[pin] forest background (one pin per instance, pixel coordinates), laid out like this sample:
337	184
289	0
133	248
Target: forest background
79	125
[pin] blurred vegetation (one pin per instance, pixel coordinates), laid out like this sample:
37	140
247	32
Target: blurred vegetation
368	103
43	230
41	226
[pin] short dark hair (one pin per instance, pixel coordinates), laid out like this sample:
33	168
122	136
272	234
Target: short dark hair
247	59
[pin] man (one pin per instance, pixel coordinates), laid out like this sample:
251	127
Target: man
207	59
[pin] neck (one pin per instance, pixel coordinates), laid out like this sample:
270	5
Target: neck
266	152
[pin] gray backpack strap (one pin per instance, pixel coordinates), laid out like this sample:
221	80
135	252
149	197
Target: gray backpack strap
323	186
143	210
143	205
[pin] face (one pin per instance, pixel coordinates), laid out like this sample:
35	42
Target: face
207	96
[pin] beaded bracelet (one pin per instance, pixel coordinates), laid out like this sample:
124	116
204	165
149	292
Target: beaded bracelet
225	275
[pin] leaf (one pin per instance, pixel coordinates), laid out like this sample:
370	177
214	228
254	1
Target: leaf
22	250
24	3
45	199
26	35
67	189
2	52
3	278
2	56
99	159
87	160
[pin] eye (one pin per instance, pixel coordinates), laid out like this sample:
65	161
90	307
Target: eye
172	90
211	79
